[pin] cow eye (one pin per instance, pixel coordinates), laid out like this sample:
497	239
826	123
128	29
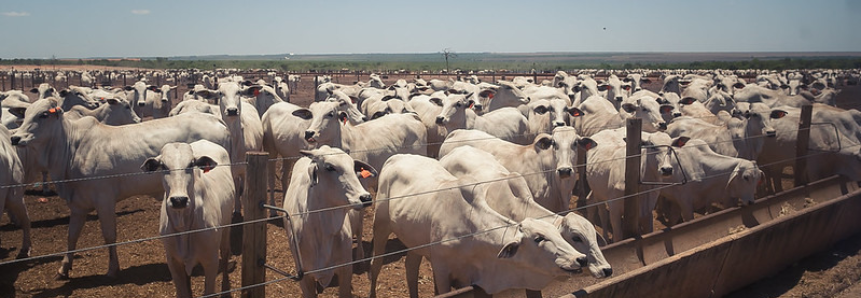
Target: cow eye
645	110
458	105
330	168
577	239
44	115
330	115
539	239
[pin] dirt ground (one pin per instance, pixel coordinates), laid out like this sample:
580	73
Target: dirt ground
145	274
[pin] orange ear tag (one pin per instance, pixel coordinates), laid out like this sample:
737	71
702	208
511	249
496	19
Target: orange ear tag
206	169
471	105
490	96
52	110
366	173
256	92
345	120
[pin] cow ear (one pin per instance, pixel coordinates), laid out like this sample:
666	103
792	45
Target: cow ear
112	101
574	112
64	92
777	114
738	85
680	141
687	100
645	80
303	113
543	142
666	109
629	107
508	250
378	115
151	164
312	173
436	101
205	163
208	94
34	90
487	93
603	87
364	170
587	143
342	116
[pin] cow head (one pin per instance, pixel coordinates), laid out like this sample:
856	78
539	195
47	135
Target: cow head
648	109
181	169
43	122
453	109
743	182
581	234
539	246
336	176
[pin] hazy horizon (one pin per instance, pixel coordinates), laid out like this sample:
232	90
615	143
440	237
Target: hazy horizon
161	28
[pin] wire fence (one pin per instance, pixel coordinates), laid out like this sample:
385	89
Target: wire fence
281	217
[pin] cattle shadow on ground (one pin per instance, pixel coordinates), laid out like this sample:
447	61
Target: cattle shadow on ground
138	275
64	221
10	273
392	245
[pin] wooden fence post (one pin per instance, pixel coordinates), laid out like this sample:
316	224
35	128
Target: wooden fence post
801	144
254	235
632	180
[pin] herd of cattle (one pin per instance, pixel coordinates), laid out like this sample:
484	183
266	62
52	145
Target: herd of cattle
476	177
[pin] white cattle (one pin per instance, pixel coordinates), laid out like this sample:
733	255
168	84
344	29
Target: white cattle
324	187
85	148
617	91
14	103
198	195
294	82
834	144
543	115
115	112
422	203
246	128
547	164
599	114
711	178
44	91
508	194
284	126
671	84
505	94
605	172
12	196
750	131
506	123
376	82
76	96
263	98
282	89
636	80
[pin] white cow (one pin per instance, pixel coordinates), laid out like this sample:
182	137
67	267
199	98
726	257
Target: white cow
12	196
717	137
711	178
44	91
85	148
115	112
246	128
498	253
506	123
14	103
76	96
599	114
294	82
605	172
324	187
198	195
282	88
509	195
547	164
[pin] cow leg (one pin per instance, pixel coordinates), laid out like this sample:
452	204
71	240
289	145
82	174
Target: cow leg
615	212
380	236
355	217
108	221
239	182
76	224
225	257
412	264
441	279
181	281
15	205
345	279
309	287
210	271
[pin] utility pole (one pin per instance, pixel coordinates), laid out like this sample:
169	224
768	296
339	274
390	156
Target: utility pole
448	54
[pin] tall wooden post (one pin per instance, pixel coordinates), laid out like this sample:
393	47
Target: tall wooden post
801	144
254	235
632	180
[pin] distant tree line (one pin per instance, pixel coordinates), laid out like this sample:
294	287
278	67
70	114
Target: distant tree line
514	66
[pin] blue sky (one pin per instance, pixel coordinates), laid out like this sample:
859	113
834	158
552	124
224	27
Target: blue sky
73	29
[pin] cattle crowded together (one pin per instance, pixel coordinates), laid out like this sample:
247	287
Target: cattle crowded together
492	165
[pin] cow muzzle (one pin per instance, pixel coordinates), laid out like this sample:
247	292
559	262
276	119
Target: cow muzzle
309	136
770	133
619	98
564	172
440	120
662	126
666	171
366	200
178	202
232	112
141	104
16	140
